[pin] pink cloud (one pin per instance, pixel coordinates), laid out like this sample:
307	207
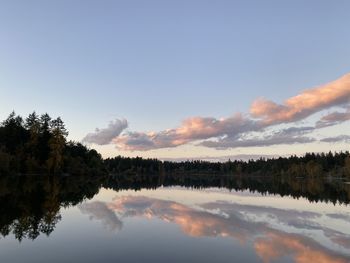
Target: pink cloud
275	245
269	243
303	105
191	129
235	131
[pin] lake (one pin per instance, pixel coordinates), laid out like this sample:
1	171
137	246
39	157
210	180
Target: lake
81	220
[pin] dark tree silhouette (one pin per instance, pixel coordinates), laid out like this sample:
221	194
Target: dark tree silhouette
39	146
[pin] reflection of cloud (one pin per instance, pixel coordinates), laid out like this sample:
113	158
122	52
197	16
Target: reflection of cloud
341	241
339	216
106	135
237	130
192	222
293	218
276	244
99	211
230	220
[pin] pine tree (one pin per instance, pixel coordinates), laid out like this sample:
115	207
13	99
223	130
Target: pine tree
57	144
347	166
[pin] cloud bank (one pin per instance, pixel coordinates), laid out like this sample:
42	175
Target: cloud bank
240	130
192	129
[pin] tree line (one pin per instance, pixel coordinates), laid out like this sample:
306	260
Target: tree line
38	144
311	165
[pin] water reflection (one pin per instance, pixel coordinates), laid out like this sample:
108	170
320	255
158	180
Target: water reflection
30	205
276	220
100	211
248	224
314	189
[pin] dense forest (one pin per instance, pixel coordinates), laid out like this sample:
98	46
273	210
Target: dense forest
310	165
38	145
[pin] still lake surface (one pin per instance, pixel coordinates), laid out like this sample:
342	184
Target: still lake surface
168	224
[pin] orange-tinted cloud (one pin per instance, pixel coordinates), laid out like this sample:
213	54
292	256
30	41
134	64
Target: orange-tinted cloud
235	131
276	244
303	105
191	129
270	244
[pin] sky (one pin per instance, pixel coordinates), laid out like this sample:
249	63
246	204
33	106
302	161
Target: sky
182	79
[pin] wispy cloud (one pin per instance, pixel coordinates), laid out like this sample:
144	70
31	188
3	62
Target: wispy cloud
303	105
334	118
238	130
335	139
106	135
286	136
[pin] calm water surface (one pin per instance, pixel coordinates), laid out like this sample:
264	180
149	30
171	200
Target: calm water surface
176	224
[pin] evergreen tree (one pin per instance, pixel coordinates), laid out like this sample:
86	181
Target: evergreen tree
32	124
57	144
43	148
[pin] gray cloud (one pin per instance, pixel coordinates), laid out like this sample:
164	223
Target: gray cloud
291	135
333	119
106	135
345	217
340	138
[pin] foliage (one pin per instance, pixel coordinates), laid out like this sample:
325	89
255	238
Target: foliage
311	165
38	145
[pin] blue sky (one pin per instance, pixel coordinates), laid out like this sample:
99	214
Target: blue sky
158	63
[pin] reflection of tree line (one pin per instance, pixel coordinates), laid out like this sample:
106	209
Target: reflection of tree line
31	206
314	189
